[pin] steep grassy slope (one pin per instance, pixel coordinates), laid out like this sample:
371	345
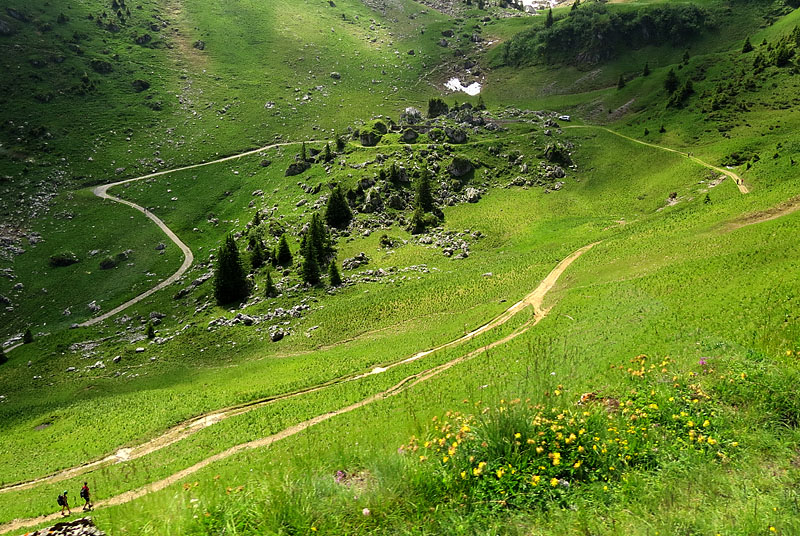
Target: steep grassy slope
686	269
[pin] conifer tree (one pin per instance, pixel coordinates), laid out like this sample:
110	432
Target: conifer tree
3	357
328	155
270	290
424	198
621	82
337	211
646	70
284	255
548	22
320	239
151	331
575	6
310	267
747	47
303	155
27	337
333	274
671	82
257	256
230	282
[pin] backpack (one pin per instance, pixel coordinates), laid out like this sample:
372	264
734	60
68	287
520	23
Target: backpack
62	501
84	493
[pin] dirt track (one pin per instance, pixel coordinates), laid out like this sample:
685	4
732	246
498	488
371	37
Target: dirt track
534	300
736	178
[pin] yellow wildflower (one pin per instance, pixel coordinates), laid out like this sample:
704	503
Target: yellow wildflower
554	482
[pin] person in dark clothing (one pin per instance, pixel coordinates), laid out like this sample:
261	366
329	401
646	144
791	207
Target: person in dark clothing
63	502
85	497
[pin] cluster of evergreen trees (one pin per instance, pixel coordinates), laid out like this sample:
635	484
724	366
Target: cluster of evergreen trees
594	33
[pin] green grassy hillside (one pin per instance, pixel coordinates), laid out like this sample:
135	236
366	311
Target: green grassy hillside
642	384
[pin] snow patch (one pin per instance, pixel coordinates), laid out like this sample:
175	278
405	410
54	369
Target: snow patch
454	84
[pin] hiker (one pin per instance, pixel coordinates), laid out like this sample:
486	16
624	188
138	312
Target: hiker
63	502
85	497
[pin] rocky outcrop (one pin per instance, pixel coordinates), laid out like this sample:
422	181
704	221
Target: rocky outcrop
460	166
296	168
455	135
79	527
409	135
369	138
354	262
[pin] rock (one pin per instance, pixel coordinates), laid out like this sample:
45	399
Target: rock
20	16
266	163
93	307
79	527
296	168
71	369
352	263
374	200
369	138
161	246
472	195
139	349
142	39
411	52
396	202
411	116
101	66
443	43
117	359
6	28
447	33
410	135
301	203
336	76
140	85
277	335
199	45
460	166
455	135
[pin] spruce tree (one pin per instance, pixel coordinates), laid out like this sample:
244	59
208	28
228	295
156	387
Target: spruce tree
27	337
747	47
549	20
481	105
424	198
575	6
320	240
646	70
328	154
620	82
671	82
150	331
3	357
230	282
333	274
270	290
337	212
257	256
310	267
284	255
303	155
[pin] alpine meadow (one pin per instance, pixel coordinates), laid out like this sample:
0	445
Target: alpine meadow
417	267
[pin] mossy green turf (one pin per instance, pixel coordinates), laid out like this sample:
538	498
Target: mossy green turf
670	280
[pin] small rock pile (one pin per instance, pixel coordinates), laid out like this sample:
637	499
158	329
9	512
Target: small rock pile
79	527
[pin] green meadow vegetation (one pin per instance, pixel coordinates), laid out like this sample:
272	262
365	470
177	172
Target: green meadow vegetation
650	391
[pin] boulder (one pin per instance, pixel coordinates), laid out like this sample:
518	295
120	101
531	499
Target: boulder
19	15
396	202
374	200
455	135
101	66
460	166
140	85
336	76
472	195
352	263
6	28
443	43
296	168
277	335
199	45
411	116
410	135
142	39
369	138
447	33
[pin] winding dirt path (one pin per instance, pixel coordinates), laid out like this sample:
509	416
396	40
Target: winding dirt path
535	300
194	425
188	257
783	209
736	178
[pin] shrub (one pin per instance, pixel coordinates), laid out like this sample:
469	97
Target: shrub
437	107
27	337
107	263
65	258
3	357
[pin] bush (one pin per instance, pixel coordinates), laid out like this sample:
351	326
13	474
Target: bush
108	263
437	107
27	337
65	258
